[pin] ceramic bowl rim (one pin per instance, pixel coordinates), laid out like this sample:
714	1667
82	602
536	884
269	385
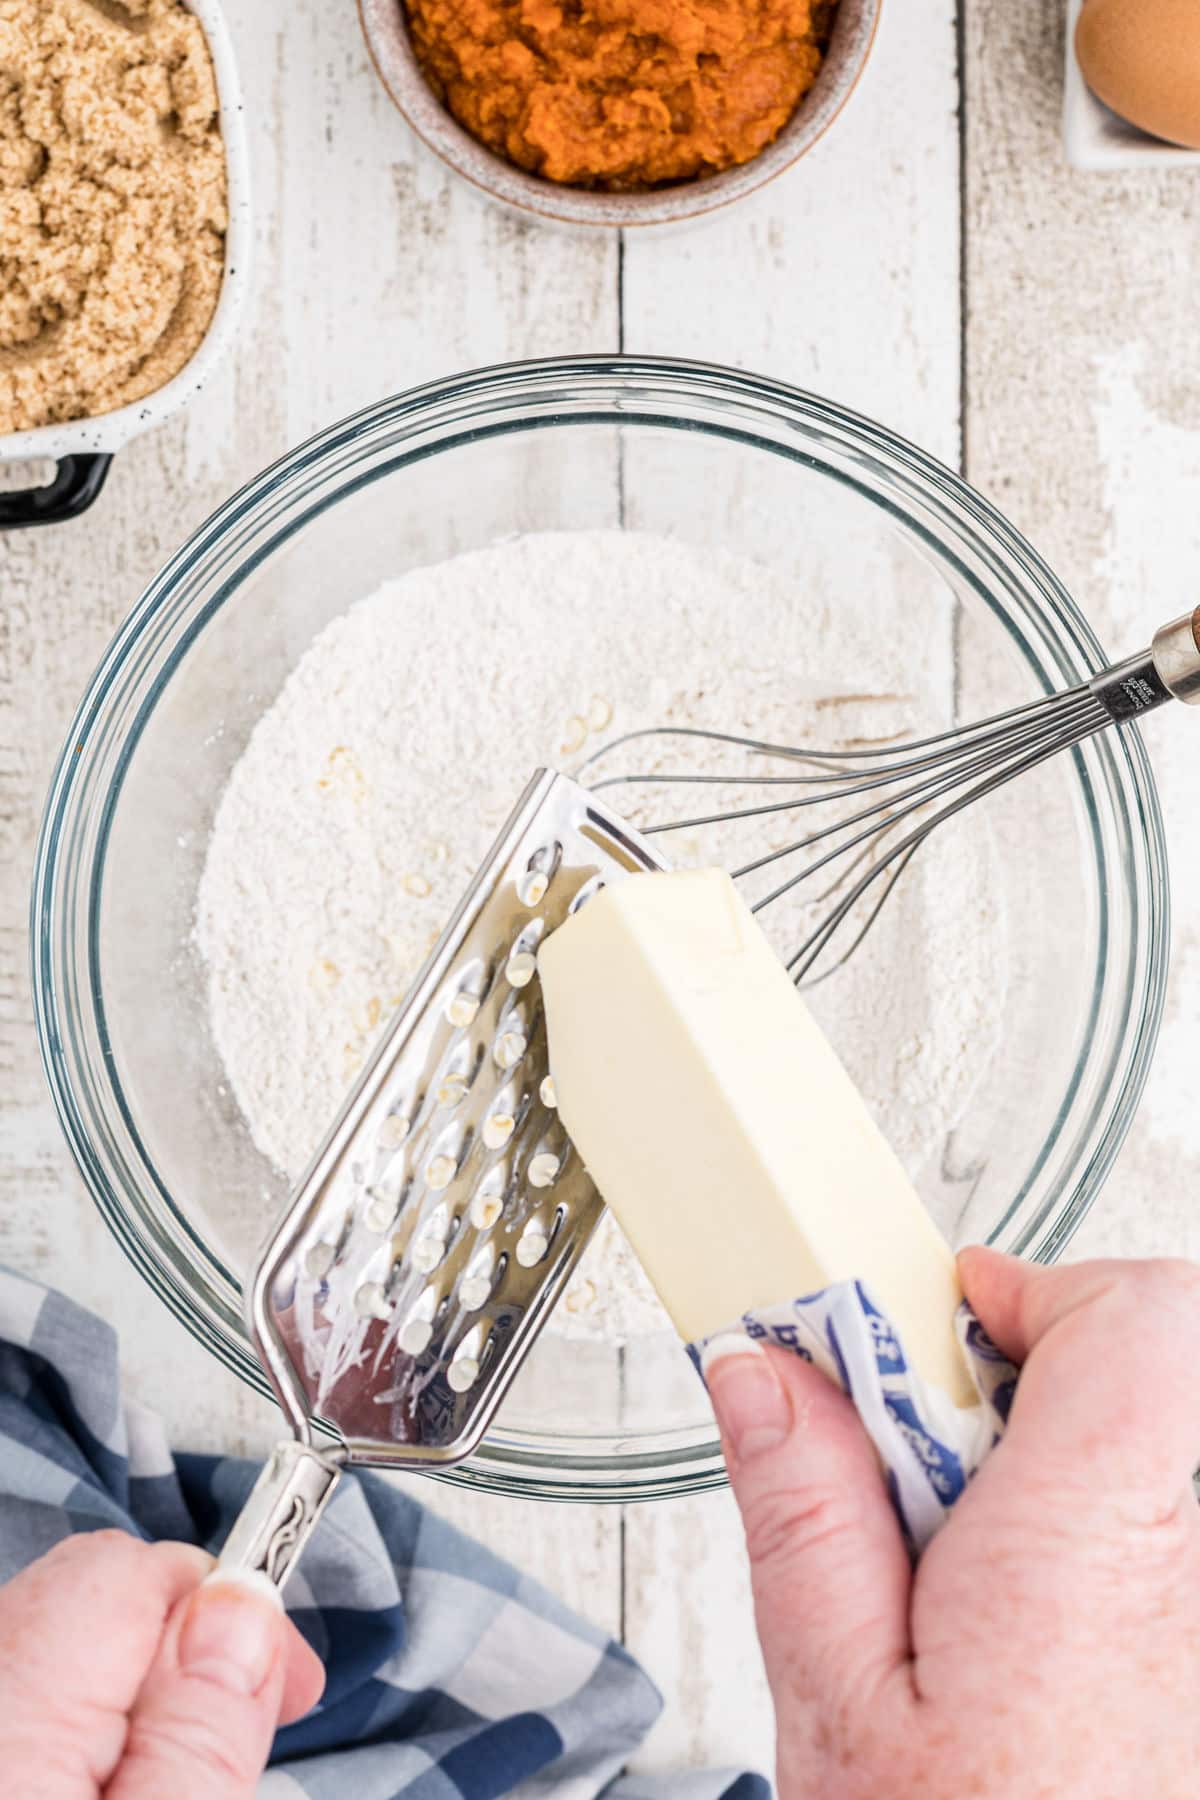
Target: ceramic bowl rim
387	40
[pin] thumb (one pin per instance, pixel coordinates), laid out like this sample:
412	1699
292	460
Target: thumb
1107	1392
829	1569
202	1724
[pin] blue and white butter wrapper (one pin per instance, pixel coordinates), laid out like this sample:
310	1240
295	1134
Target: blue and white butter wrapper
929	1447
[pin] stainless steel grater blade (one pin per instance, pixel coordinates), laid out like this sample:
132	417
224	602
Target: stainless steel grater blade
426	1245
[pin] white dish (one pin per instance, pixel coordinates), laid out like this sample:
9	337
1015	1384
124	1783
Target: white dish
82	449
1095	137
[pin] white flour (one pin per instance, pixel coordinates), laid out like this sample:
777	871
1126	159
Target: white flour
372	787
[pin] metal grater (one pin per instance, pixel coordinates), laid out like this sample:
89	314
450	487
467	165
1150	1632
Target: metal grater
440	1220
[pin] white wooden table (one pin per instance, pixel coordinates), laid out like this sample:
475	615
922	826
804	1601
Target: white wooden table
933	263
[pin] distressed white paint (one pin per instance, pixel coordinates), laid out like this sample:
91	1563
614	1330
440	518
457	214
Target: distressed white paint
1148	444
842	276
375	270
1083	424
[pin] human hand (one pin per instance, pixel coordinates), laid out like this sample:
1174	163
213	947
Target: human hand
124	1673
1048	1643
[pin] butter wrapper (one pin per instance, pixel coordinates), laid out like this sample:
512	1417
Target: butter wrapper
929	1447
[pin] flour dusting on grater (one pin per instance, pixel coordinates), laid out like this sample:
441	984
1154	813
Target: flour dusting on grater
446	1210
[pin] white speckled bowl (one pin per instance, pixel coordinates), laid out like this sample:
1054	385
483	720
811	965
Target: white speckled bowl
82	449
387	38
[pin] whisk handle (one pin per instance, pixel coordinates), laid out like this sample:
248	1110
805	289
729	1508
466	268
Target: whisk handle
1176	654
1131	688
1169	670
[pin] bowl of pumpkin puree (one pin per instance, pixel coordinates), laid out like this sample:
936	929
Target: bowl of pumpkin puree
619	112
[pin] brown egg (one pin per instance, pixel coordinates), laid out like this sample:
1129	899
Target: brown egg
1142	57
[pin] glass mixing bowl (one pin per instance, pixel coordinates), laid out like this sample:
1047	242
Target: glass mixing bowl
854	518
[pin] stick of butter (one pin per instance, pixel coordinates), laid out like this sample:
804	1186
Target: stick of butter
720	1127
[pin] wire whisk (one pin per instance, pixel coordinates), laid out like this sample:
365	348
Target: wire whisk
907	790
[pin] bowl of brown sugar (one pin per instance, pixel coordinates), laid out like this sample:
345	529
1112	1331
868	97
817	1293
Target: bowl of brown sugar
619	112
124	232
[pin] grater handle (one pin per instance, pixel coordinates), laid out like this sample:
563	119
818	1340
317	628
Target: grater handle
282	1510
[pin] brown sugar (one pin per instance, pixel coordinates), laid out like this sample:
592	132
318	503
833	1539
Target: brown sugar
112	203
621	94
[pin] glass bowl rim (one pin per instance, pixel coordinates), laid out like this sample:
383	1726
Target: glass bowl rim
691	1462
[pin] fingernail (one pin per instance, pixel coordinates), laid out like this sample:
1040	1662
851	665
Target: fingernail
231	1634
749	1399
248	1581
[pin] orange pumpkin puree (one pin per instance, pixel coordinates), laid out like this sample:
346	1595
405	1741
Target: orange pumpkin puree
621	94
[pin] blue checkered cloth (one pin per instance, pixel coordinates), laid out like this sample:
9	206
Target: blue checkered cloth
451	1676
